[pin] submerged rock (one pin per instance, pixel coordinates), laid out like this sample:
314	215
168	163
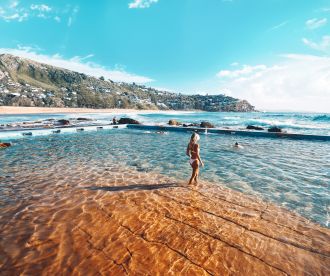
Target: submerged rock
274	129
206	125
254	127
123	121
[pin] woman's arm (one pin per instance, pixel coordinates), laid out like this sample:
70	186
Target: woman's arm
198	156
187	151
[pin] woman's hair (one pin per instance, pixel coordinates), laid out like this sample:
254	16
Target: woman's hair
194	137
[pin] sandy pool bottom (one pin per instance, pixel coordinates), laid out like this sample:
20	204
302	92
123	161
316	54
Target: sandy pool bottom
112	220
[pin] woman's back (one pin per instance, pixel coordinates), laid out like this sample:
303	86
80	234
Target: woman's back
193	150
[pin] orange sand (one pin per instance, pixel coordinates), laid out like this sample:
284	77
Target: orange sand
117	221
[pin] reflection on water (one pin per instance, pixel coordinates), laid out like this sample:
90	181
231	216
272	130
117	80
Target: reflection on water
294	174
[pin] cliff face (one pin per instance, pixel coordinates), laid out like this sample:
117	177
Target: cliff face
27	83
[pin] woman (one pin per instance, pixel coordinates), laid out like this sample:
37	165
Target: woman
193	153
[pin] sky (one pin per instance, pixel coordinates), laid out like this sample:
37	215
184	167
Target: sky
273	53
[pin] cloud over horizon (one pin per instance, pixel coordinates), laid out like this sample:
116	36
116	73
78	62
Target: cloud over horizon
141	4
300	82
77	64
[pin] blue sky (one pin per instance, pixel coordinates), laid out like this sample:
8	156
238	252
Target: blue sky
274	53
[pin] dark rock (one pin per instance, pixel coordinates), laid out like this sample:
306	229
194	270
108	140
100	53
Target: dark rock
206	125
191	125
63	122
254	127
274	129
123	121
80	129
27	133
5	145
84	119
56	131
173	123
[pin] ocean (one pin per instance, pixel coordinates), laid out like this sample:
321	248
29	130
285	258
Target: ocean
294	174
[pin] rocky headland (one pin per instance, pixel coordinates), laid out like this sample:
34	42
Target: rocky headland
25	82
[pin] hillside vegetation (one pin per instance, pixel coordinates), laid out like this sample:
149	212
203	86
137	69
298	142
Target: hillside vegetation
25	82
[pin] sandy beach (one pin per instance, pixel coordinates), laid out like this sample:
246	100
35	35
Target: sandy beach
58	110
100	220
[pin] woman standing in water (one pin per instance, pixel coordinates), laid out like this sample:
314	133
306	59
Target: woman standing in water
195	160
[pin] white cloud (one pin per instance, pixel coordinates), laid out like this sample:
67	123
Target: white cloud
246	70
299	82
14	11
282	24
323	45
325	9
315	23
42	8
77	64
13	4
16	16
72	16
141	4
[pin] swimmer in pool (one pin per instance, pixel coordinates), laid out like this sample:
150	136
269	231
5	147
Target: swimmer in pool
238	146
195	160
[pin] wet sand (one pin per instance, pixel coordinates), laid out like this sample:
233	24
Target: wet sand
114	220
58	110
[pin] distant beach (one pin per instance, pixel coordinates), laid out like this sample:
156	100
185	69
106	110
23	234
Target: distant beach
58	110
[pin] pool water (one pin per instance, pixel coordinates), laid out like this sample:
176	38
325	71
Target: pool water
292	173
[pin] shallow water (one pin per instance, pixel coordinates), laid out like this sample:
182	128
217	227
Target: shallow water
293	174
87	216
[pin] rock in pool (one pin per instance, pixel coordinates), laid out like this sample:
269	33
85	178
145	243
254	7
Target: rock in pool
191	125
254	127
5	145
84	119
63	122
206	125
274	129
173	122
124	121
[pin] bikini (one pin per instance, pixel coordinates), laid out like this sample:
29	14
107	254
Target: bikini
191	160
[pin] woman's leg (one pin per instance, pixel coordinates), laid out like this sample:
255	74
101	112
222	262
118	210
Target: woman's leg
194	172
